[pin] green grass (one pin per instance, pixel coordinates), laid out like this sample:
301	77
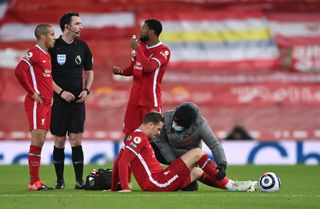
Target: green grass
299	189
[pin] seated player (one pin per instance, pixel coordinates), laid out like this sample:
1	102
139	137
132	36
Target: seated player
138	154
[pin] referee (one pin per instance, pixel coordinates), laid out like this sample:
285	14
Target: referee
70	57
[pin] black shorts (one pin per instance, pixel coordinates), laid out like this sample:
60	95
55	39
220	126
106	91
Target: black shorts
67	117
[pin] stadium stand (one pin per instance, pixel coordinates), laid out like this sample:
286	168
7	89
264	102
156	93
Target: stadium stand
255	64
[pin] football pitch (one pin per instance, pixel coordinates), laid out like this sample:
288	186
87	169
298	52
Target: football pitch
299	189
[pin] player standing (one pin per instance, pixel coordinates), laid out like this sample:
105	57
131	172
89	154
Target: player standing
138	154
148	64
34	74
70	57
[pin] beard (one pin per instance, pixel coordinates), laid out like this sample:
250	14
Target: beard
144	38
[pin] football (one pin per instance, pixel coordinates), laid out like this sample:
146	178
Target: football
269	182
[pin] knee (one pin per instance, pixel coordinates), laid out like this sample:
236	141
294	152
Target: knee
197	152
196	173
74	141
59	142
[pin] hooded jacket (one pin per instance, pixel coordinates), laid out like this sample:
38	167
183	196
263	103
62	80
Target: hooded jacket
172	144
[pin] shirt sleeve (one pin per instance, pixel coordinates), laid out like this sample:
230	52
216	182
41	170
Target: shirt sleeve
128	71
213	143
149	64
21	72
123	167
115	173
88	59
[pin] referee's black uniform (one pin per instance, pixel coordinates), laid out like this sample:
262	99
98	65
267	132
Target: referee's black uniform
68	62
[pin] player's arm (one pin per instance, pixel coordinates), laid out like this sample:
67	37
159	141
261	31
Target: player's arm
149	65
123	168
128	71
115	173
21	73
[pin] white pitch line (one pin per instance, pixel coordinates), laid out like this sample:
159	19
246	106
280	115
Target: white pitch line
160	194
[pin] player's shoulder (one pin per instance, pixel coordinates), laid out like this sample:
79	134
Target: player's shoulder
137	137
164	51
34	54
163	47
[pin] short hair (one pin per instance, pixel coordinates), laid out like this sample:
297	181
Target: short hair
153	117
41	29
155	25
66	19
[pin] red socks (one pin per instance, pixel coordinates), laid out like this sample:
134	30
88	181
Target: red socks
34	163
210	172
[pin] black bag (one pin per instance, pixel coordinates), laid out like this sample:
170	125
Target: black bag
99	180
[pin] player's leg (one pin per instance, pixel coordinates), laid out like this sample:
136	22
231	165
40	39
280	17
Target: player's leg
58	127
197	156
34	156
39	121
75	130
34	160
210	171
132	120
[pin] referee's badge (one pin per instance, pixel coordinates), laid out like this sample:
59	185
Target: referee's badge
61	59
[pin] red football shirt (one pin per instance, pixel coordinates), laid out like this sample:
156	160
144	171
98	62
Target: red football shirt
148	67
139	155
34	73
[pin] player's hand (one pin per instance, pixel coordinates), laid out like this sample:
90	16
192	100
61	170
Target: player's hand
116	70
134	43
38	98
222	172
82	96
68	96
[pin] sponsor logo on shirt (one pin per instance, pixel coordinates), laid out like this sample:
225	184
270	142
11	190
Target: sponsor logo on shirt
138	66
61	59
47	73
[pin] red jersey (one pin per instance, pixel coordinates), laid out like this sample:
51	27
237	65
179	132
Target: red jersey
34	73
139	155
147	68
